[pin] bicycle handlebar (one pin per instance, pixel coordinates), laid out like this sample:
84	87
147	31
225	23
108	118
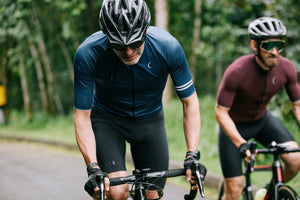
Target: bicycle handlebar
162	174
273	148
279	151
132	178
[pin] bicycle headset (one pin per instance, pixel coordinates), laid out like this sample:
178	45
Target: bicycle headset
264	28
124	21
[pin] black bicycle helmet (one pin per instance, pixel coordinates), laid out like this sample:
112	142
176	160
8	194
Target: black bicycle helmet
124	21
266	27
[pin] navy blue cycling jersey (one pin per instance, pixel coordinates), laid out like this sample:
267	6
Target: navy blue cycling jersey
103	80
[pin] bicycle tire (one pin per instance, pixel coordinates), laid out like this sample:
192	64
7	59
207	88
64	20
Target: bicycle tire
247	194
286	193
221	191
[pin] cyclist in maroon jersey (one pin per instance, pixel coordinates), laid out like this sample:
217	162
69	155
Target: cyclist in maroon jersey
247	86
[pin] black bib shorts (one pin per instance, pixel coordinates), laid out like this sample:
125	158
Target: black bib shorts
147	138
264	131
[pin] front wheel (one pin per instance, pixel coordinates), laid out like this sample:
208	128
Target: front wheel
221	191
286	193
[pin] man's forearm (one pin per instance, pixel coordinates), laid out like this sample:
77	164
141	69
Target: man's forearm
228	125
85	136
87	145
296	110
192	122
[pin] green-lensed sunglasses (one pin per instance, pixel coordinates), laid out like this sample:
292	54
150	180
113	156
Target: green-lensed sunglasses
269	45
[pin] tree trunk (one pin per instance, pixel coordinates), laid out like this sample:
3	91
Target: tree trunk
25	90
67	58
161	14
218	66
47	65
39	73
92	16
161	21
49	75
196	36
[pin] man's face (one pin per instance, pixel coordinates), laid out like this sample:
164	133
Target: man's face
130	56
270	51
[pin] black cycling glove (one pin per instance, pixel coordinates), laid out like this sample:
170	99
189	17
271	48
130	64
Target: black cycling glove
191	162
188	162
243	148
91	183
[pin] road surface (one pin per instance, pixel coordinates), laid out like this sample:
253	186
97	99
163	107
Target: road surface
30	171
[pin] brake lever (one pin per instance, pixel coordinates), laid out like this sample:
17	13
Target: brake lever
198	179
100	182
252	150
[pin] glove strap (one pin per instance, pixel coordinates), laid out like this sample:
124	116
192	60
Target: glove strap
91	165
195	154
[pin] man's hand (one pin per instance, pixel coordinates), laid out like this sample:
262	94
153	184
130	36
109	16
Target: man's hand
92	185
245	151
189	163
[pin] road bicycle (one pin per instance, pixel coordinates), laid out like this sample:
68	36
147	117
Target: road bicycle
275	189
141	180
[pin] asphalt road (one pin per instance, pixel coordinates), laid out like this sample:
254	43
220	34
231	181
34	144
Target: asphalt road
31	171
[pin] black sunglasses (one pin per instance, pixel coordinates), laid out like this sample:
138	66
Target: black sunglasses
269	45
122	47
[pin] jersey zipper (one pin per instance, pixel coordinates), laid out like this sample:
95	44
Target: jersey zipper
262	96
132	90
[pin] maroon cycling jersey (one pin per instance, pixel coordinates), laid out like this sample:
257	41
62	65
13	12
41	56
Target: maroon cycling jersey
247	89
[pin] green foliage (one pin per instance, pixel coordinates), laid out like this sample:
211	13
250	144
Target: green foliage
223	37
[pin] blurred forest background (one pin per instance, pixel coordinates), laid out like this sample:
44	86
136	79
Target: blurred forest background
38	39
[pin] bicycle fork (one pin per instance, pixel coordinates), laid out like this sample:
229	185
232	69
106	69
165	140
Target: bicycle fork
139	193
277	179
248	188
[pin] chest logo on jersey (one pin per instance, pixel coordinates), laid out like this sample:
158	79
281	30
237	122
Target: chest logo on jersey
274	80
149	66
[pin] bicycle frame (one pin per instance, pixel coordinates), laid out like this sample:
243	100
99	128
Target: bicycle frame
276	168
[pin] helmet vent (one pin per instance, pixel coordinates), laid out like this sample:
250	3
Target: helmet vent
266	27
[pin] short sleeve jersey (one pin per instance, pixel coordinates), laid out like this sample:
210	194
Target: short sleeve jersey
247	89
101	79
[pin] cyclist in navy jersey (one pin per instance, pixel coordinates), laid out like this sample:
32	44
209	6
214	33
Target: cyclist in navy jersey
246	88
120	75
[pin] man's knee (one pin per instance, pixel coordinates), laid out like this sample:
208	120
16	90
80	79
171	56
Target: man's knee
233	187
291	162
118	192
154	194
